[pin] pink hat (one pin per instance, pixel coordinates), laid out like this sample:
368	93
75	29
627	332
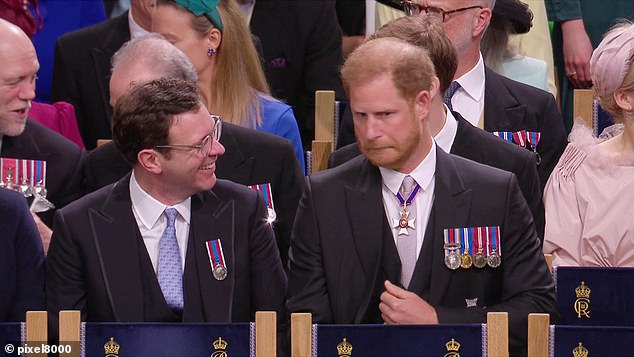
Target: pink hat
610	61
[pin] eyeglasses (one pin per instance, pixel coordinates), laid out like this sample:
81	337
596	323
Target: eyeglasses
413	9
204	147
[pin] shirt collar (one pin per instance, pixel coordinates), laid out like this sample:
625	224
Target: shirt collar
422	174
135	29
447	134
472	82
149	210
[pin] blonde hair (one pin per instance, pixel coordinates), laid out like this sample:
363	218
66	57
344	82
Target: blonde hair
238	72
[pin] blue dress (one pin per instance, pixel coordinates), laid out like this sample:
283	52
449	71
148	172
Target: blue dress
278	119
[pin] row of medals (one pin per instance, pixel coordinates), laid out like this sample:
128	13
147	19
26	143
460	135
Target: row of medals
24	188
454	260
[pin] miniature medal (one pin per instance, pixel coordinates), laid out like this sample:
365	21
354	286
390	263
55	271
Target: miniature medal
453	260
220	272
479	260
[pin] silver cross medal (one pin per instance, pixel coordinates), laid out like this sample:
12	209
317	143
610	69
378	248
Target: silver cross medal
403	223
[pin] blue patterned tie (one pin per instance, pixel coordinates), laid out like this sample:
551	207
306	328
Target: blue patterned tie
453	87
170	274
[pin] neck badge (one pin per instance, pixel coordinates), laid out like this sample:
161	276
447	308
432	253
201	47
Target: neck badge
404	222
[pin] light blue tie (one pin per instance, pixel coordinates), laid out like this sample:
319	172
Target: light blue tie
170	274
453	87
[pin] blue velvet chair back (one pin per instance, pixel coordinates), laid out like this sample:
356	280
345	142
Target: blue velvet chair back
595	296
13	333
400	340
167	339
584	341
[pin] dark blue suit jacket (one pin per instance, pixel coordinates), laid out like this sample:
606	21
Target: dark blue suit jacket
21	259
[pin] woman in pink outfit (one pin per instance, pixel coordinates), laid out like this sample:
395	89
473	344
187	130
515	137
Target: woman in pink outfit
589	198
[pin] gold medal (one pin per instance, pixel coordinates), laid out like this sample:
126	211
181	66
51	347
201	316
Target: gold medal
465	261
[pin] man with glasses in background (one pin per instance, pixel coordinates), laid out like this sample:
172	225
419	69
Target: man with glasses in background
524	115
169	242
488	100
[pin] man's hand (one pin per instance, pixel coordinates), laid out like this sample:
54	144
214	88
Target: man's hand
577	50
399	306
45	232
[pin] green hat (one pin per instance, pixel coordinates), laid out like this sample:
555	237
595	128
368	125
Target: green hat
203	7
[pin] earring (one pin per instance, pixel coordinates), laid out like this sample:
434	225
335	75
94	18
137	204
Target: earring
210	52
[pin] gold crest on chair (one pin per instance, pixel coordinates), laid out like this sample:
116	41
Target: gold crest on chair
111	348
582	304
453	348
344	348
220	347
580	351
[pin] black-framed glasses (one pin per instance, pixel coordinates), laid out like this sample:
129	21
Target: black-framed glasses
204	147
413	9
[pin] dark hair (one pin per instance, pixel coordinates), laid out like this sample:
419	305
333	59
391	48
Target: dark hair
144	114
430	35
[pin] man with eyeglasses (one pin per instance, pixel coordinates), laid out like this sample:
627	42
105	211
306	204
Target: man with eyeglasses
488	100
169	242
524	115
252	157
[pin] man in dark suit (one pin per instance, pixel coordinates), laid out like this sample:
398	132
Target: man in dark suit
169	242
484	98
21	259
251	158
82	68
301	41
450	130
21	138
401	255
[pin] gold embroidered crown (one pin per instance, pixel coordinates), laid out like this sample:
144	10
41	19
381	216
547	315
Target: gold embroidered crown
344	348
453	345
111	347
580	351
220	344
583	291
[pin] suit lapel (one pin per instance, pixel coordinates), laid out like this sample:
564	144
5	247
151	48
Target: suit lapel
502	112
213	219
118	252
232	165
465	144
364	205
451	208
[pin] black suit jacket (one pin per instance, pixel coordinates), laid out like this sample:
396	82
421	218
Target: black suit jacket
338	236
93	262
21	260
302	53
251	157
81	74
485	148
510	106
514	106
63	159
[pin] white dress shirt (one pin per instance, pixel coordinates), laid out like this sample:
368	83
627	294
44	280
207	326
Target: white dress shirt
469	98
447	134
148	213
135	29
424	175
